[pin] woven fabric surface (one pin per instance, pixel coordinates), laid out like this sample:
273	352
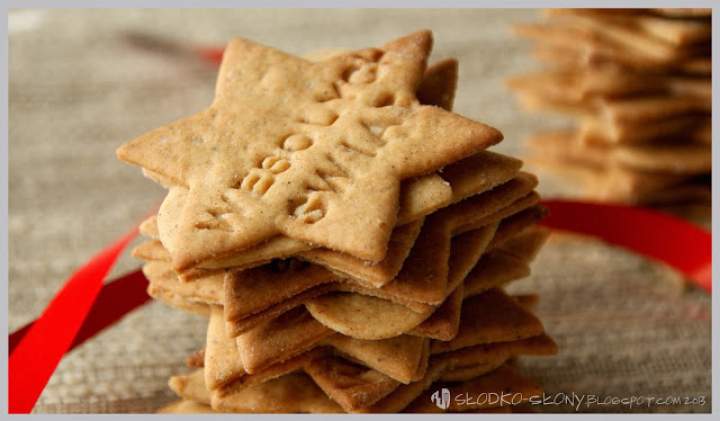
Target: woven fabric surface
78	89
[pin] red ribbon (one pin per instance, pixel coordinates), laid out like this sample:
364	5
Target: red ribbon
37	355
659	236
210	54
116	299
84	307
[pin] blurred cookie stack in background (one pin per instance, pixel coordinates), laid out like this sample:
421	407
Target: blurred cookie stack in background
324	314
637	81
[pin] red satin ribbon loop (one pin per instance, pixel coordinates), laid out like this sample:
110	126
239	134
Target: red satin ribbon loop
37	355
656	235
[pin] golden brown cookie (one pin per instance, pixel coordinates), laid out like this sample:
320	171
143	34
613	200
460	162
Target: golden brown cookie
314	154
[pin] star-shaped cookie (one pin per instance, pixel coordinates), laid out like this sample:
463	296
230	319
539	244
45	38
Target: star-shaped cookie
311	150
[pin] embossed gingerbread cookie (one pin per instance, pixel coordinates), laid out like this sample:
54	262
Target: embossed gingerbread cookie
311	150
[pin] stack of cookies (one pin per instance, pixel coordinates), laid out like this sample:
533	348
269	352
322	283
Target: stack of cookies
347	236
638	83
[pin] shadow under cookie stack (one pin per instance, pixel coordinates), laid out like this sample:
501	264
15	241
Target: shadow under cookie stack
347	235
638	83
